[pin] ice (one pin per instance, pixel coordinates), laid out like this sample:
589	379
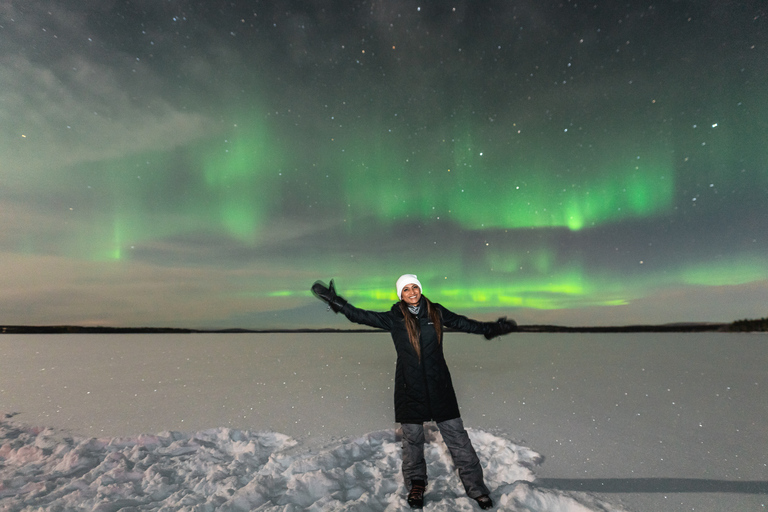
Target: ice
233	470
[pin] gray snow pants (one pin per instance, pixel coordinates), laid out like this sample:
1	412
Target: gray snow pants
458	443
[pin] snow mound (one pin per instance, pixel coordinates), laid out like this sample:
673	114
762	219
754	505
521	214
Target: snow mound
232	470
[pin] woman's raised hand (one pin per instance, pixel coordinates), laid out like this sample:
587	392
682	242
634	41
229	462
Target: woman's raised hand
499	327
328	295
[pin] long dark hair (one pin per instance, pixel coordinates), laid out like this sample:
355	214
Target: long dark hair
412	326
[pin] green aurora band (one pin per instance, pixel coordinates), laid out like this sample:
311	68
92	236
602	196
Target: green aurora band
507	192
232	185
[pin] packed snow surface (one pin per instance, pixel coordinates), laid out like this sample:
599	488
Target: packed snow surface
233	470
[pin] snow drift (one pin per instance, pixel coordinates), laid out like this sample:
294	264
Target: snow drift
232	470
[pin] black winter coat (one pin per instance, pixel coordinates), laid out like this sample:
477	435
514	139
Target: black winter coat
423	389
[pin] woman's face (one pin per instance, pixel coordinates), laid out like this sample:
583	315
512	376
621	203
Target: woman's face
411	294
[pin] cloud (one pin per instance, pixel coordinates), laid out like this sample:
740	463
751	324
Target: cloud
66	99
49	123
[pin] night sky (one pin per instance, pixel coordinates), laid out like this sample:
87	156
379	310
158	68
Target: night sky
201	164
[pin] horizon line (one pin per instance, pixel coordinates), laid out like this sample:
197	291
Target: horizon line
532	328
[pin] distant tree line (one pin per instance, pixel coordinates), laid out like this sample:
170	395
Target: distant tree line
760	325
749	325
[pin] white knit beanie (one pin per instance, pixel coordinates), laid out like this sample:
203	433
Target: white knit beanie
404	280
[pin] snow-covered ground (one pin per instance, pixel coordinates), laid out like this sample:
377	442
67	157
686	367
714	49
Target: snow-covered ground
232	470
304	422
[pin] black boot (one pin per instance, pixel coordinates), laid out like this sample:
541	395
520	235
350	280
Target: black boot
484	501
416	496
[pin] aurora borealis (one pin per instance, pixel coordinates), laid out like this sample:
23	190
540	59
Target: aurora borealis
201	164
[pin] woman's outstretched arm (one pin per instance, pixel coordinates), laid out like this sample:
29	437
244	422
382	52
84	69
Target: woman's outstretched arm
339	305
464	324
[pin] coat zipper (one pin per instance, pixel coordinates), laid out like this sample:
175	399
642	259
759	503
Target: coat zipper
426	382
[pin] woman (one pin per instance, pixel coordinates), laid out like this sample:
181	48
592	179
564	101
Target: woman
423	388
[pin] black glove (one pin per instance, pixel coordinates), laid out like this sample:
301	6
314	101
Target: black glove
328	295
499	327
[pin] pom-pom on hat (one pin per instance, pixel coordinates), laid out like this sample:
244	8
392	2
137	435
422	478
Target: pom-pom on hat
404	280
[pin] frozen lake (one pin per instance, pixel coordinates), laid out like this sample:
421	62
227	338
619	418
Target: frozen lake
667	422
